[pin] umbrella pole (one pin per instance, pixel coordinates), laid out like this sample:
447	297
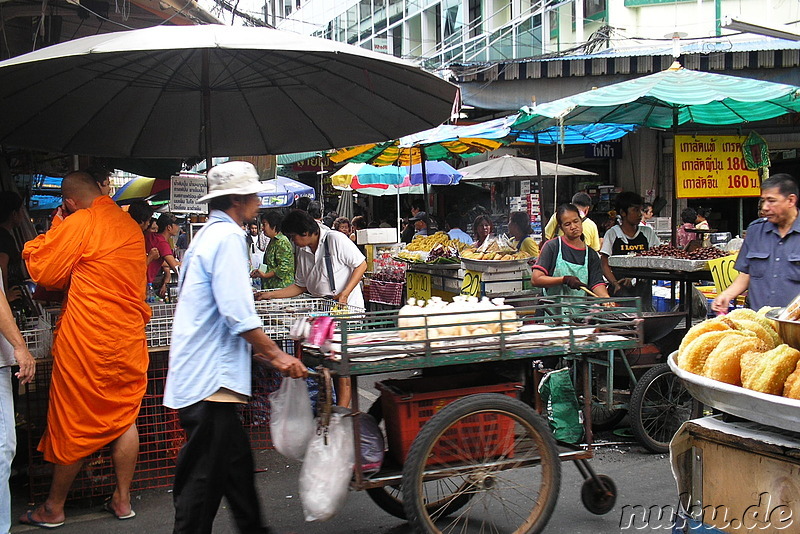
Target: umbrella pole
541	185
424	180
674	184
206	110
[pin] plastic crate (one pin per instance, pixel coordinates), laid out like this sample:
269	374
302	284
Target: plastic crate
38	335
409	404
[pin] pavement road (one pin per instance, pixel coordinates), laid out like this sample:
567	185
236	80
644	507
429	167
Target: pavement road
643	481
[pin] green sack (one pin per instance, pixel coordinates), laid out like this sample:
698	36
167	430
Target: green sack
561	405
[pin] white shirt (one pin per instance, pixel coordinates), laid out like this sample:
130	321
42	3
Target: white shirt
6	350
312	273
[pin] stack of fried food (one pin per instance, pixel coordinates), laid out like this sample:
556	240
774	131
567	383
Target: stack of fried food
742	348
425	243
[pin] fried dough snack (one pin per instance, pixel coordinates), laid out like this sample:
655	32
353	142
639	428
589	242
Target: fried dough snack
767	372
723	363
791	388
717	324
693	357
765	334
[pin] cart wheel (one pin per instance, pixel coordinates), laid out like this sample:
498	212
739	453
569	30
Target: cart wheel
660	404
596	499
604	418
492	448
390	498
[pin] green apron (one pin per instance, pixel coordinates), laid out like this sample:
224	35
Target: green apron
565	268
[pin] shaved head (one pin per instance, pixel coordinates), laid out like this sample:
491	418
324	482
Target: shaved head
81	188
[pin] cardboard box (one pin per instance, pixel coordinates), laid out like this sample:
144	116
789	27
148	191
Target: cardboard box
377	236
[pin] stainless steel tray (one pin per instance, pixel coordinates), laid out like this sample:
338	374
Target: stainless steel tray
660	263
495	265
763	408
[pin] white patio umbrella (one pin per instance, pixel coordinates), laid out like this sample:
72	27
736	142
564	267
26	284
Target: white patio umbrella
513	168
200	91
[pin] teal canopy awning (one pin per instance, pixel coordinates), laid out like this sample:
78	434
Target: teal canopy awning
669	98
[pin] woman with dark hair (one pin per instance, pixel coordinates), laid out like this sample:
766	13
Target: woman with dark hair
519	227
566	264
342	224
11	216
328	265
481	229
277	271
166	227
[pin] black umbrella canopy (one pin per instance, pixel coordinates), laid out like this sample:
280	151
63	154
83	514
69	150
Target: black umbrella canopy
171	91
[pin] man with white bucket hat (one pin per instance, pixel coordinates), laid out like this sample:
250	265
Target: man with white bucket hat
210	359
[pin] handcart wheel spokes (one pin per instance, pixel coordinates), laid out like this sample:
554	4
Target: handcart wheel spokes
493	450
660	404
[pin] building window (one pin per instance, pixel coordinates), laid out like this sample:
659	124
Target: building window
594	9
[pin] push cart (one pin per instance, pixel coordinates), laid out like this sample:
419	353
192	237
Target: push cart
639	383
481	462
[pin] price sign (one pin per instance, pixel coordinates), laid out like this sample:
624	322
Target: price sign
418	286
472	284
722	271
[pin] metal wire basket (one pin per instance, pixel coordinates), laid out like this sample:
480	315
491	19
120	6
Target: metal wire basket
38	335
159	329
278	315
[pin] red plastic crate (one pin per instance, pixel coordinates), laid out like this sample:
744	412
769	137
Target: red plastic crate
408	404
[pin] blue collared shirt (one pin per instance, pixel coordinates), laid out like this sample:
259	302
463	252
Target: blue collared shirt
773	263
461	235
215	307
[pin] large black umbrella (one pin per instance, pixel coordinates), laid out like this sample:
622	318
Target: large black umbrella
201	91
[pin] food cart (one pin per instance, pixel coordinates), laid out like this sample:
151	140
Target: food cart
465	451
736	470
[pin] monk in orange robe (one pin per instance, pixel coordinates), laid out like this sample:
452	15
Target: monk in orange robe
100	353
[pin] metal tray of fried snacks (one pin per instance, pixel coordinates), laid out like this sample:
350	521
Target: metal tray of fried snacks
660	263
772	410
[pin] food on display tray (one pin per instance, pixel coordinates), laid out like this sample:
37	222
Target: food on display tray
433	249
669	251
742	349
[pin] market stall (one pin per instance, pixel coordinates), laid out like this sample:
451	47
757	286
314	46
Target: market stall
741	463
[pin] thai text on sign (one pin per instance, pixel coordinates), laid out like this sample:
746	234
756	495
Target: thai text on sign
712	166
184	192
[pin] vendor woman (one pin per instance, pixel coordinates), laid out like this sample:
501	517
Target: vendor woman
566	264
519	226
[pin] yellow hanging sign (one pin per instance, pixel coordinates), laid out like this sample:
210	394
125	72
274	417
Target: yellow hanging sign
722	271
418	286
471	285
709	166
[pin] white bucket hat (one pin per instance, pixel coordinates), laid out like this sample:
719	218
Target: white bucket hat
232	178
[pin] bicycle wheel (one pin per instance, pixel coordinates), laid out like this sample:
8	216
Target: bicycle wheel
494	449
660	404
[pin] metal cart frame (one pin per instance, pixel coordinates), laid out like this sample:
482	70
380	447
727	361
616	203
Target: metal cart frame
551	336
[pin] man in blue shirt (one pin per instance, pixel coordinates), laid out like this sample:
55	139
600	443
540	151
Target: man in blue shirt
769	261
210	359
453	221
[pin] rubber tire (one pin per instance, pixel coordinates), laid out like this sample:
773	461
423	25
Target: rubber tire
389	498
605	419
594	499
414	469
652	384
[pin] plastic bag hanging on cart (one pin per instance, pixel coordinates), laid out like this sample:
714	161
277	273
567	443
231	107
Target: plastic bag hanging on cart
291	423
561	405
328	468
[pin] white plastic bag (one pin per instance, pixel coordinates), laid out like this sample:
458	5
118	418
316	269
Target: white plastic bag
327	470
291	422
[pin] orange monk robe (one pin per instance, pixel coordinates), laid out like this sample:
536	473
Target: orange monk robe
100	354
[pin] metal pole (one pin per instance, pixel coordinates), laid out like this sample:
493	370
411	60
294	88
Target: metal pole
539	179
424	180
206	110
674	179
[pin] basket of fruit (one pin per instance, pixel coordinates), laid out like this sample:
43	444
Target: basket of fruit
495	254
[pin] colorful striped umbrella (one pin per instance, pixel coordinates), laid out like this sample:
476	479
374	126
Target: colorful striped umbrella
140	188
